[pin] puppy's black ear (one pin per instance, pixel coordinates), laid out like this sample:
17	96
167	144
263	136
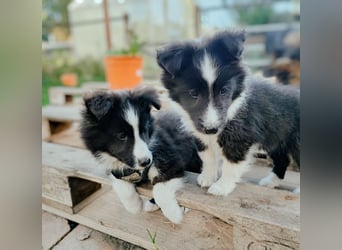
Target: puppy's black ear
230	44
98	104
148	97
172	58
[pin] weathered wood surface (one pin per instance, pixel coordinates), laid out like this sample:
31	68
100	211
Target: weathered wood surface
54	228
64	95
62	113
56	119
61	95
267	216
46	132
82	237
69	137
95	85
197	231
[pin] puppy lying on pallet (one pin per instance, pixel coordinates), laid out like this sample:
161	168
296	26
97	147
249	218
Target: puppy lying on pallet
119	125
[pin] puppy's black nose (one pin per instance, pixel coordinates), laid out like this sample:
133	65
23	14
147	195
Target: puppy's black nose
211	131
144	162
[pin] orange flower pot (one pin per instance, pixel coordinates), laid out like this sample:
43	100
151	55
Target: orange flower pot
69	79
123	72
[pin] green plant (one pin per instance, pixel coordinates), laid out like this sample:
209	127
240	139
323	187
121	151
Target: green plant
255	15
133	49
153	238
57	63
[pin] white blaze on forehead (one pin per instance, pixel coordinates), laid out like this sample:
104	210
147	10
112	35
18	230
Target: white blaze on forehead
211	118
208	69
140	148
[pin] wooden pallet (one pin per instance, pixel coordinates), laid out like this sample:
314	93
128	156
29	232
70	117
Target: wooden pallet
252	217
64	95
61	95
58	118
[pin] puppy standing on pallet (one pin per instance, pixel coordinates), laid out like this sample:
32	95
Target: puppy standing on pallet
230	112
118	125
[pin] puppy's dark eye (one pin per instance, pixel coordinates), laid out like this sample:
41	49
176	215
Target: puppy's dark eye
193	93
121	136
223	91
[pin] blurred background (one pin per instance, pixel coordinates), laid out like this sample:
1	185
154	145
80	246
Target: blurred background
78	36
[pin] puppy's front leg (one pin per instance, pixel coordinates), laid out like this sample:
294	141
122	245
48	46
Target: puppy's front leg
164	194
231	174
128	195
209	169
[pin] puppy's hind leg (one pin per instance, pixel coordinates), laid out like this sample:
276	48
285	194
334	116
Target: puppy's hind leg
280	162
164	194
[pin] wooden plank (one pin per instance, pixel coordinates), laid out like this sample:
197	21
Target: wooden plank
58	118
69	137
46	132
67	191
258	170
72	161
82	237
198	230
94	85
54	228
270	212
63	95
62	113
104	85
78	207
55	186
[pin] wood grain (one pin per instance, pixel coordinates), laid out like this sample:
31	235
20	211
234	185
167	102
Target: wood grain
198	230
272	213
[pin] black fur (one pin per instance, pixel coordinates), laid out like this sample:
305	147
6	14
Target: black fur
270	116
174	150
103	128
185	81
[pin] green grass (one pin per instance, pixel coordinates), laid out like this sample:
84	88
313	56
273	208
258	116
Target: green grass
153	239
45	86
59	62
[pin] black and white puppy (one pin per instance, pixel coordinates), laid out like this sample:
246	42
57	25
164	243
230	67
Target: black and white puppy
231	112
118	125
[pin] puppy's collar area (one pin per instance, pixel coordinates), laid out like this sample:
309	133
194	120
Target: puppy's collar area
130	175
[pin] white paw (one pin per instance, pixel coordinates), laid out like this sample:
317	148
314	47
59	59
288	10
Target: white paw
296	191
174	213
205	180
265	181
221	189
128	196
149	206
134	207
271	180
